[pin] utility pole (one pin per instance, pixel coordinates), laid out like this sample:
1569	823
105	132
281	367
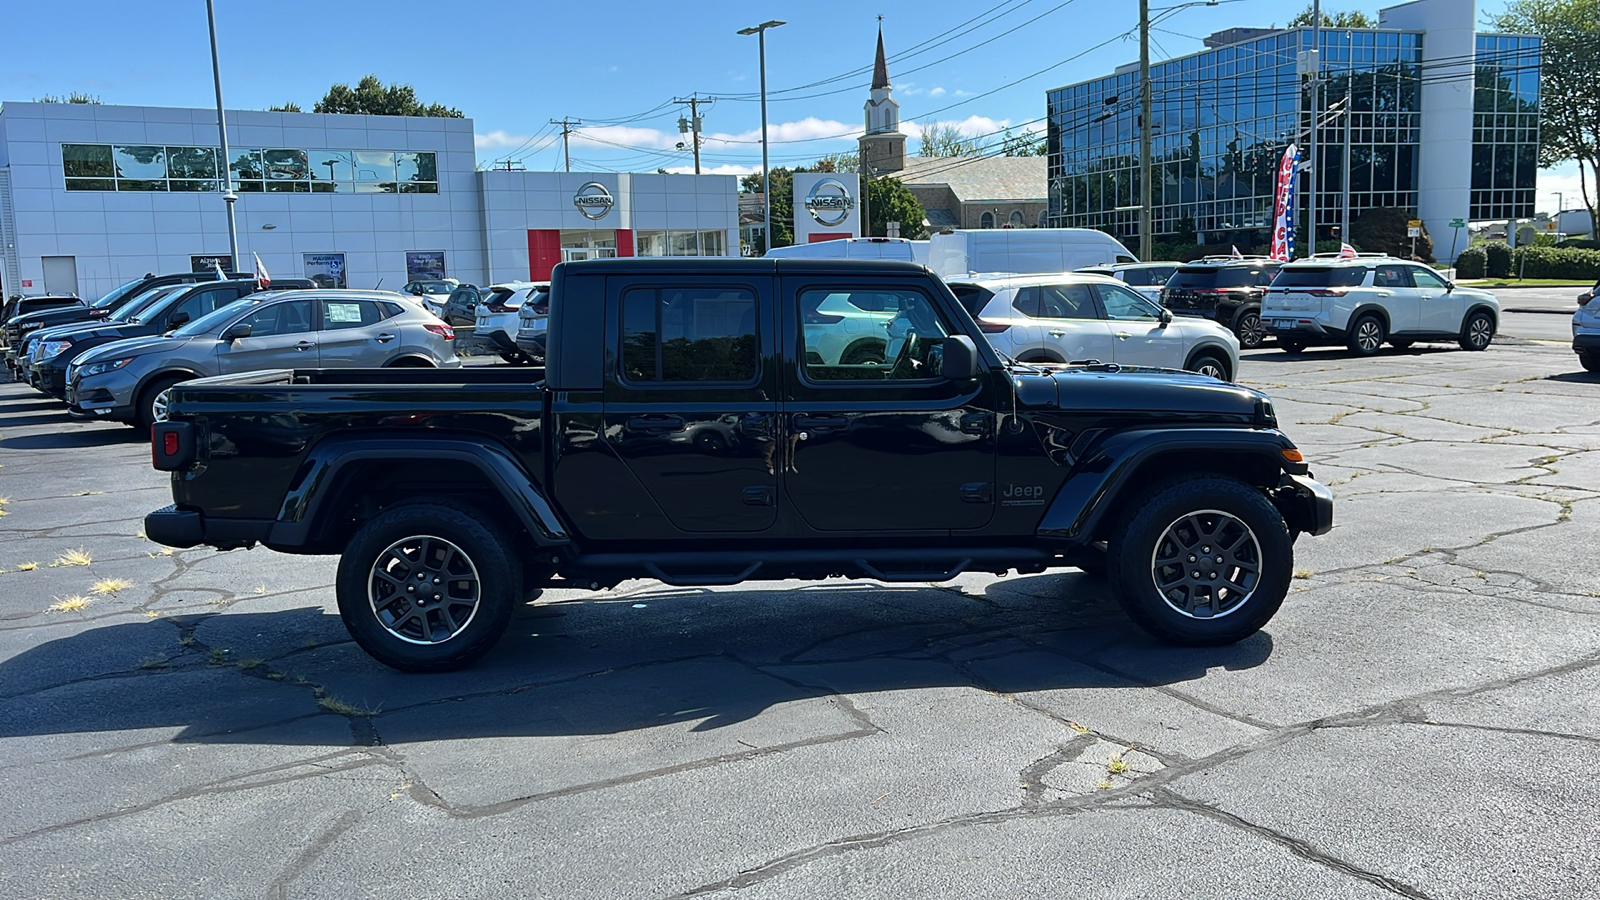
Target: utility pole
1311	140
1145	249
1344	169
228	196
691	125
566	129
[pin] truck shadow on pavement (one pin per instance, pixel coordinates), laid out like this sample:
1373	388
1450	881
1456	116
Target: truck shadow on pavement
69	440
596	664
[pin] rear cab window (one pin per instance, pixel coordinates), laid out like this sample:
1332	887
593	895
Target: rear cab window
688	334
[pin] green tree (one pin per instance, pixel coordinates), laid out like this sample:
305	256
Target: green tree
73	97
945	140
1028	143
890	201
371	97
781	200
1350	19
1569	83
290	106
837	162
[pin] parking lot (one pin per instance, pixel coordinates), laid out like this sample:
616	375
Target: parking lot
1417	721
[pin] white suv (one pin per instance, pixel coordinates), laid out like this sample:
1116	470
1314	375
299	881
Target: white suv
1363	301
1146	278
1076	318
1586	334
496	318
850	328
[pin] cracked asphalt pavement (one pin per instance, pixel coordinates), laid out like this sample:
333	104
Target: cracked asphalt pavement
1418	721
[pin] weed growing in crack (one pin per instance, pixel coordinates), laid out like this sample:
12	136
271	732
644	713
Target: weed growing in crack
1081	729
1104	785
153	662
70	604
1117	765
261	589
152	614
1303	573
217	656
88	493
27	567
110	586
246	665
339	707
78	557
186	640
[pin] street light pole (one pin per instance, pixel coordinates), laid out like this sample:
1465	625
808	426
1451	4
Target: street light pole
228	196
760	31
1145	248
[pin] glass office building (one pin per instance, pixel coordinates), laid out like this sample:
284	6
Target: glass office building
1222	118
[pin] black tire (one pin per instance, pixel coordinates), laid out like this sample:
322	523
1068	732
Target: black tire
862	353
1589	361
483	586
1249	330
1289	345
410	362
148	409
1210	364
1167	518
1401	343
1366	335
516	358
1477	331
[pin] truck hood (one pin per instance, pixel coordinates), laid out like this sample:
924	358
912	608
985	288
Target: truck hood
1135	391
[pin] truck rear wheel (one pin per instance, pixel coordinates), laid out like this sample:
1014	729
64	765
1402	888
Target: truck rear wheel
1204	561
428	587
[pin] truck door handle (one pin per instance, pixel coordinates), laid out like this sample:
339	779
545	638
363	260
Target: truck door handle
818	423
305	345
1386	293
655	424
1058	334
1123	335
385	338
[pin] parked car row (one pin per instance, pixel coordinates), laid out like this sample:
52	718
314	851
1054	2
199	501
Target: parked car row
119	365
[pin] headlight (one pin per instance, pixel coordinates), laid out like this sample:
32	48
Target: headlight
53	348
100	368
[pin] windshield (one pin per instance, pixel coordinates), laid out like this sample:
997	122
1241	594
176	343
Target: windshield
1331	276
217	316
130	310
116	295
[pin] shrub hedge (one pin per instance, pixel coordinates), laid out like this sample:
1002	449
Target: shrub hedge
1499	259
1556	262
1472	263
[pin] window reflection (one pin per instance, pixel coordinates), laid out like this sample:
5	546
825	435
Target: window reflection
103	167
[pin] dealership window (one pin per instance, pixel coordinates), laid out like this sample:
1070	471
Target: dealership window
681	243
688	334
102	167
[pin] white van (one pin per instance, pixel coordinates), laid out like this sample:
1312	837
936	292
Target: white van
857	248
1022	251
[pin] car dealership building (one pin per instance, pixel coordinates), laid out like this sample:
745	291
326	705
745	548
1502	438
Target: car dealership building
92	196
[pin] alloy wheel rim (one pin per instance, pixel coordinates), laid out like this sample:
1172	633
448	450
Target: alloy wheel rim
1206	565
1211	369
158	406
1251	334
424	590
1367	336
1481	332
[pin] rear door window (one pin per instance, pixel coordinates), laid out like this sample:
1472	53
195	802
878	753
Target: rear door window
1392	277
338	315
1068	301
678	334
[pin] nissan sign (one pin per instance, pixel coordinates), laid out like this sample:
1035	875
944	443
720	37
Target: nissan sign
829	202
593	200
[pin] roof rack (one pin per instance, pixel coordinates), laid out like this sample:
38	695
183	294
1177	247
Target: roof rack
1230	258
1337	254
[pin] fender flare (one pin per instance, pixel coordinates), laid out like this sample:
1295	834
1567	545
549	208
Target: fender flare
1090	494
303	508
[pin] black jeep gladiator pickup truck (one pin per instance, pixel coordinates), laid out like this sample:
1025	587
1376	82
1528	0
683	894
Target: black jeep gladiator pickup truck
697	424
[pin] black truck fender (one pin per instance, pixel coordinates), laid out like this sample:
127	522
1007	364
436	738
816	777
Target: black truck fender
302	518
1124	464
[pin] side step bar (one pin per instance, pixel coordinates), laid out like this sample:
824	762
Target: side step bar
712	568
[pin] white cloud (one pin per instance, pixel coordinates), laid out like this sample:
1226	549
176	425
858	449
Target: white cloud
714	170
808	129
971	126
498	140
1561	178
940	92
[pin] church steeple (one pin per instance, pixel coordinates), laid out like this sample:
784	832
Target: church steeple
880	68
883	147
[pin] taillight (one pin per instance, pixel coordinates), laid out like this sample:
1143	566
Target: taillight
99	313
169	443
172	446
993	327
816	318
441	329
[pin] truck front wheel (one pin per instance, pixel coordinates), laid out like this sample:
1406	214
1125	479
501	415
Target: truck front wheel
1203	561
427	587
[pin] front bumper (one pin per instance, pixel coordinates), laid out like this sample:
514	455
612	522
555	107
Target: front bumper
1306	505
182	528
96	402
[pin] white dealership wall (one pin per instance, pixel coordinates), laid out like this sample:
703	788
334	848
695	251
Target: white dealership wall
480	220
115	236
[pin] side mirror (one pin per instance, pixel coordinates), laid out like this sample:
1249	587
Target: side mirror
1449	286
960	358
1166	317
235	331
177	319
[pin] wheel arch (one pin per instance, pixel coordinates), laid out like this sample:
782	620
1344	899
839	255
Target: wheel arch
1477	305
346	480
410	358
1215	350
1374	309
182	373
1084	508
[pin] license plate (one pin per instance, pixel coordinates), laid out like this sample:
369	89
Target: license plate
1282	323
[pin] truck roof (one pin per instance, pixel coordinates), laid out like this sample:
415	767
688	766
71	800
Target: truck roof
735	265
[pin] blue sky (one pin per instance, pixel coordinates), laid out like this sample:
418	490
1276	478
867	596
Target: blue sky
513	66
